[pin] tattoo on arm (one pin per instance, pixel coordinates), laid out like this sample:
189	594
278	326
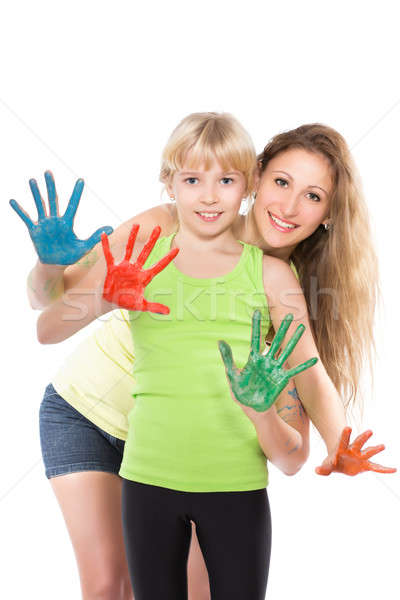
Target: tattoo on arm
50	287
88	260
291	450
293	410
30	285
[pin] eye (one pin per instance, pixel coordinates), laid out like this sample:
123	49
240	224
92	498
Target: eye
281	182
314	197
191	180
226	180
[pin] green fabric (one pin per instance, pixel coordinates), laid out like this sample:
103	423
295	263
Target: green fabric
185	431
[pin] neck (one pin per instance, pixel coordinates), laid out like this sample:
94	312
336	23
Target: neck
223	241
248	232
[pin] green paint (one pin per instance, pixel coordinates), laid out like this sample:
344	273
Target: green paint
89	259
263	377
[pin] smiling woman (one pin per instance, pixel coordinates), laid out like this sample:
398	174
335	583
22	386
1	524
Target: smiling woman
307	177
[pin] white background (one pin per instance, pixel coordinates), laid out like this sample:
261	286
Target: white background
92	89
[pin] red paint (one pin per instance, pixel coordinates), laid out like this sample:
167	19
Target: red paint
125	283
350	459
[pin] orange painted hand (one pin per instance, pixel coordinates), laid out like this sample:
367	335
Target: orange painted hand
350	459
125	283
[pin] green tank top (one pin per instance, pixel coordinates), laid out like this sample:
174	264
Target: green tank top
185	431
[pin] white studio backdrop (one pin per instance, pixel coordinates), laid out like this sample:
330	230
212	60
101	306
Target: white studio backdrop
93	89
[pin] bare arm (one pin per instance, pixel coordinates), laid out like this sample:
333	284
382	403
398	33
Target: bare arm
283	432
281	443
76	308
319	396
290	409
47	283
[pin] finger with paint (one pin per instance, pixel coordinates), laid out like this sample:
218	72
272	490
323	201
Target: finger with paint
52	235
351	459
125	283
263	377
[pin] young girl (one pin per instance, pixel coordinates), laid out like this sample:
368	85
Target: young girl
289	165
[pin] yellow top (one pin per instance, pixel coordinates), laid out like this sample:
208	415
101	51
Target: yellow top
96	379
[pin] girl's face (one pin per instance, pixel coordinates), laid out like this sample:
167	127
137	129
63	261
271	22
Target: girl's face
293	199
208	201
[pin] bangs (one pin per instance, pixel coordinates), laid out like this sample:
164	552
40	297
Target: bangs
202	139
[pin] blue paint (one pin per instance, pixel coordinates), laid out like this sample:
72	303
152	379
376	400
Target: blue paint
53	236
293	393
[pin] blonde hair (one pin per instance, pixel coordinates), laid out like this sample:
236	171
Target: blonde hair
208	136
341	260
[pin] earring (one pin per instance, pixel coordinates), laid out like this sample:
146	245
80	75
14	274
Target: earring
327	226
172	198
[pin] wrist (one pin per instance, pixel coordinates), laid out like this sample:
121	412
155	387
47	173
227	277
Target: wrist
264	418
49	269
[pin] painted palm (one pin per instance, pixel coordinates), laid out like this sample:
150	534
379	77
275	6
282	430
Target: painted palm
53	236
263	377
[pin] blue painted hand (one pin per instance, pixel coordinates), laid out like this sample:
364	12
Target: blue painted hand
53	236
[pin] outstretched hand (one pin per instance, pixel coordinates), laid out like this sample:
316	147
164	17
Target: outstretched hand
263	377
350	459
53	236
125	283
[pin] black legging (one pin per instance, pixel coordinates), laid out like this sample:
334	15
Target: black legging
234	532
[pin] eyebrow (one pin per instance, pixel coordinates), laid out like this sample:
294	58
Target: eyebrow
310	186
183	173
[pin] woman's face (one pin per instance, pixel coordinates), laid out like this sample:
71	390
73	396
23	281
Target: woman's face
293	199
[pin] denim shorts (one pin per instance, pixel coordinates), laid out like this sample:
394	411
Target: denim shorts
71	443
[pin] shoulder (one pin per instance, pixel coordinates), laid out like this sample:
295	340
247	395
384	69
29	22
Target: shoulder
163	215
279	281
275	269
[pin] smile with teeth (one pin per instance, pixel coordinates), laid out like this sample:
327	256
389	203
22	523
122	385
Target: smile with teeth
280	223
208	216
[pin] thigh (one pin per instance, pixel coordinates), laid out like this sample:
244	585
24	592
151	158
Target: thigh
234	532
157	536
91	505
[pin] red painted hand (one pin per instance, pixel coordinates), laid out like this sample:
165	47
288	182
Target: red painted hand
351	459
125	283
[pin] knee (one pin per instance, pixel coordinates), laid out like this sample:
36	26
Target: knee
108	586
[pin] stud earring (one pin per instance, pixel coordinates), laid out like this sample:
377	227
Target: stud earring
172	198
327	226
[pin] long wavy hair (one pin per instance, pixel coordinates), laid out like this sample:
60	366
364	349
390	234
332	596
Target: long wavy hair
337	267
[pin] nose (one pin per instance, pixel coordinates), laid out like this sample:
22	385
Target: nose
209	196
290	205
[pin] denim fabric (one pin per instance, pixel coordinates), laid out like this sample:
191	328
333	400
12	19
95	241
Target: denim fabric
71	443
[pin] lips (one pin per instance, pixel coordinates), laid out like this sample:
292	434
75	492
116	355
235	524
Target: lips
280	224
208	216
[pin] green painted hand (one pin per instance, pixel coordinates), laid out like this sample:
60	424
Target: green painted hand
263	377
